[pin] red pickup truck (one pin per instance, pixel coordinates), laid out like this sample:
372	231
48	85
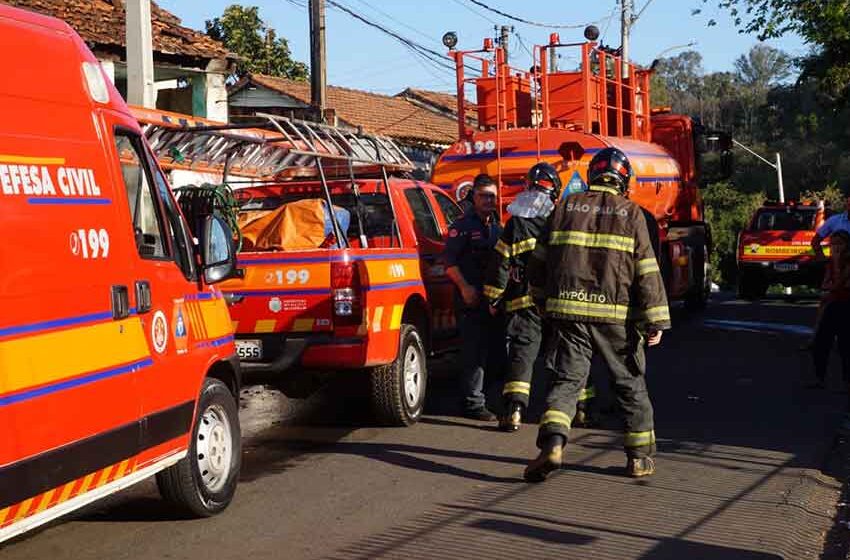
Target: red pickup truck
380	300
775	248
342	263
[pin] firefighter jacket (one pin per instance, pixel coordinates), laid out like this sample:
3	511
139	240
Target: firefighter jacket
505	279
594	263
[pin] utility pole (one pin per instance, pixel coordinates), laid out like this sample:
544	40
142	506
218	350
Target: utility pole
503	40
139	39
626	21
777	166
553	60
318	66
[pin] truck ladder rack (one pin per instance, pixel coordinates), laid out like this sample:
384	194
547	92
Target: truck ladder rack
272	147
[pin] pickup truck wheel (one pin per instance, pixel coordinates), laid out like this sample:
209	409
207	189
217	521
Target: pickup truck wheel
203	483
398	388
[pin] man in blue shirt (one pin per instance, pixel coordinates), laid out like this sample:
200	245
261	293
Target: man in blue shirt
838	222
468	250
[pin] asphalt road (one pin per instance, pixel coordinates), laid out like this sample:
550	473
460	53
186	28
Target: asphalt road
741	446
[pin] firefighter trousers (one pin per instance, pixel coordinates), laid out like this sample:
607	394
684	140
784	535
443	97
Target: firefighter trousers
524	329
570	349
525	334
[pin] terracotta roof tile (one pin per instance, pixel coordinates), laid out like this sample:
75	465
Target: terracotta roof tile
102	22
378	114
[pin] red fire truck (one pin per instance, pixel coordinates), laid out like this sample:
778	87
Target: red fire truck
564	118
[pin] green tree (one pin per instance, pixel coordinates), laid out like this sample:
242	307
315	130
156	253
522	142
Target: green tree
727	211
757	71
822	23
260	50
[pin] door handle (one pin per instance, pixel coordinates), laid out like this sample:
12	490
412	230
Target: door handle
143	296
120	297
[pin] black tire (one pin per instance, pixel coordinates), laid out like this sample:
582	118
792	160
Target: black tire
183	484
750	286
394	401
697	298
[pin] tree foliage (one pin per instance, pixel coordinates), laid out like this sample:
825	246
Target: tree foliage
260	50
822	23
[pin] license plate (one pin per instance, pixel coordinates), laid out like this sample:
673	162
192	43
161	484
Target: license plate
785	267
249	349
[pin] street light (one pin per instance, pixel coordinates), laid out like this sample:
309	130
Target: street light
777	166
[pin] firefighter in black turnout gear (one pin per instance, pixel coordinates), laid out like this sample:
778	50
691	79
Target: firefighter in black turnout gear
506	286
595	272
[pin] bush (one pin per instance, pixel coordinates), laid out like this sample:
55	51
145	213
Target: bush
727	212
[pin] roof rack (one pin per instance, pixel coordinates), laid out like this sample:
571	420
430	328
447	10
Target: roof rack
273	147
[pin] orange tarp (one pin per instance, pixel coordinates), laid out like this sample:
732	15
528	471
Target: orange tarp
298	225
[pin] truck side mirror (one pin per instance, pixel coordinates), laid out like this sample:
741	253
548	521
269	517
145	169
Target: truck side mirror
217	250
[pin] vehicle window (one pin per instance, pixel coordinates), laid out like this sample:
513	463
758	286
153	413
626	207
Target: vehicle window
144	210
423	214
183	246
451	211
785	220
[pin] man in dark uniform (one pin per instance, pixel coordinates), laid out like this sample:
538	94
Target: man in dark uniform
595	271
506	286
470	242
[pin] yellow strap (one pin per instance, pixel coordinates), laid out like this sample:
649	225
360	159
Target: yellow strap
503	249
647	266
587	309
609	190
524	246
493	292
594	240
555	417
587	393
640	439
519	303
517	387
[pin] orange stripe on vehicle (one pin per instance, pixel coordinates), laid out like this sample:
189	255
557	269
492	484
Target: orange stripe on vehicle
303	325
376	320
119	472
395	322
29	160
196	318
104	477
23	509
4	513
201	322
45	500
84	487
265	326
66	492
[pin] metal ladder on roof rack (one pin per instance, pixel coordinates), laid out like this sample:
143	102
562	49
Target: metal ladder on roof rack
266	148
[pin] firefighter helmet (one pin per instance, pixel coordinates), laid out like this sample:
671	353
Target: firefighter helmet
543	177
610	166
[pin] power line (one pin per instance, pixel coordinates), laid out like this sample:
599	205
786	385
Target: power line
298	4
396	20
476	12
528	22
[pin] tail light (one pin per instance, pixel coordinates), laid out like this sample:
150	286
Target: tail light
346	288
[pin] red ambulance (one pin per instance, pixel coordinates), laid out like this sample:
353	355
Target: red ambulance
117	358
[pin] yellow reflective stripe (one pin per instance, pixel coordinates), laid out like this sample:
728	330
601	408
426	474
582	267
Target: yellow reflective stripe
493	292
503	249
640	439
524	246
594	240
555	417
519	303
587	393
647	266
609	190
517	387
587	309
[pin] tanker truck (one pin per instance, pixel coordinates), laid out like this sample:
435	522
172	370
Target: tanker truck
519	118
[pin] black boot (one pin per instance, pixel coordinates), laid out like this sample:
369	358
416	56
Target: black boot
512	419
549	460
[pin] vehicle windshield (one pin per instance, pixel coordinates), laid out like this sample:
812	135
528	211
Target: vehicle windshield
785	219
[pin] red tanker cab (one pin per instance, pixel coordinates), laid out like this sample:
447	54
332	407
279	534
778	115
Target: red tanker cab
117	359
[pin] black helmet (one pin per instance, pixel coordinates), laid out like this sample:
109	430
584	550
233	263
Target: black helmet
611	167
543	177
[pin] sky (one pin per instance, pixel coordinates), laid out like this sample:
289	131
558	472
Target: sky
362	57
